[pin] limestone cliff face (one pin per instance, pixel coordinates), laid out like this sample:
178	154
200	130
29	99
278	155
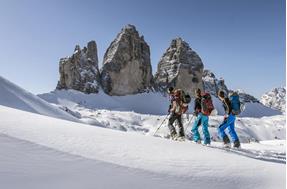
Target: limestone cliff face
179	67
80	71
126	65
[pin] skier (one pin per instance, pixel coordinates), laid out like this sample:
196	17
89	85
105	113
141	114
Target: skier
229	120
201	119
176	110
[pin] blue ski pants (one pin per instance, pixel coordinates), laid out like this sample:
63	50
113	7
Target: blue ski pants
229	124
201	120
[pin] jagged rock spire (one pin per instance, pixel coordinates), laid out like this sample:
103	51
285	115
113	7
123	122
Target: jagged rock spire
80	71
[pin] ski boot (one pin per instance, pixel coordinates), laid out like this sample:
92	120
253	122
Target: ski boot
181	138
226	142
173	136
197	142
236	144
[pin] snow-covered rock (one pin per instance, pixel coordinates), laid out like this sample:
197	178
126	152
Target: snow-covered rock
179	67
80	71
126	66
276	98
246	98
15	97
211	84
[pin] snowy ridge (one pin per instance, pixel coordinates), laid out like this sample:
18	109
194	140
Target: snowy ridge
15	97
276	99
187	160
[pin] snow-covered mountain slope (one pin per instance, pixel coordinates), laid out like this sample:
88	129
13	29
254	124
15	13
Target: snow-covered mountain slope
16	97
145	103
37	164
276	99
199	166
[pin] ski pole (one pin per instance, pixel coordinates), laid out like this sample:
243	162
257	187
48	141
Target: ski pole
189	122
161	124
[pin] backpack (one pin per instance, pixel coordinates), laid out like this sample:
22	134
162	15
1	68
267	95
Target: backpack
184	97
206	104
182	100
235	103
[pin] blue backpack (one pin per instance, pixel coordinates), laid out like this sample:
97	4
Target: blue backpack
235	103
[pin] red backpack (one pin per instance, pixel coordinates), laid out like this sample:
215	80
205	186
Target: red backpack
206	104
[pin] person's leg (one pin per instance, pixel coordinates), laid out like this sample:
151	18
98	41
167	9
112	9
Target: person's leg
180	126
233	134
194	130
221	129
231	129
205	129
170	125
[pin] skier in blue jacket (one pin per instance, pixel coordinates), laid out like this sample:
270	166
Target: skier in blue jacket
229	120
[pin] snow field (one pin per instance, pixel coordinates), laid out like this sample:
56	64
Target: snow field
148	153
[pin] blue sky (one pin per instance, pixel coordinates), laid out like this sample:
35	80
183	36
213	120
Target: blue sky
242	41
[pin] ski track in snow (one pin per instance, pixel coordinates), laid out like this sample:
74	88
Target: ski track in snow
256	154
264	155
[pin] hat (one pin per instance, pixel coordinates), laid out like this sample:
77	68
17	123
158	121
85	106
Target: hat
170	90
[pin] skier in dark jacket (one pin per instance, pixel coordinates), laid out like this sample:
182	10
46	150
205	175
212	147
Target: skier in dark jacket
229	120
201	119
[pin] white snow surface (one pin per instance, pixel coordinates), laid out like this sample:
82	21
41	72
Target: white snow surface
13	96
183	164
145	103
26	165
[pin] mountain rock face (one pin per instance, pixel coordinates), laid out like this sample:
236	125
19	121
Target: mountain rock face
126	65
246	98
179	67
276	99
80	71
211	84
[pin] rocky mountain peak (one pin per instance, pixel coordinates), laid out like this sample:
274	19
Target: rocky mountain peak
126	65
179	67
213	85
276	99
80	71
